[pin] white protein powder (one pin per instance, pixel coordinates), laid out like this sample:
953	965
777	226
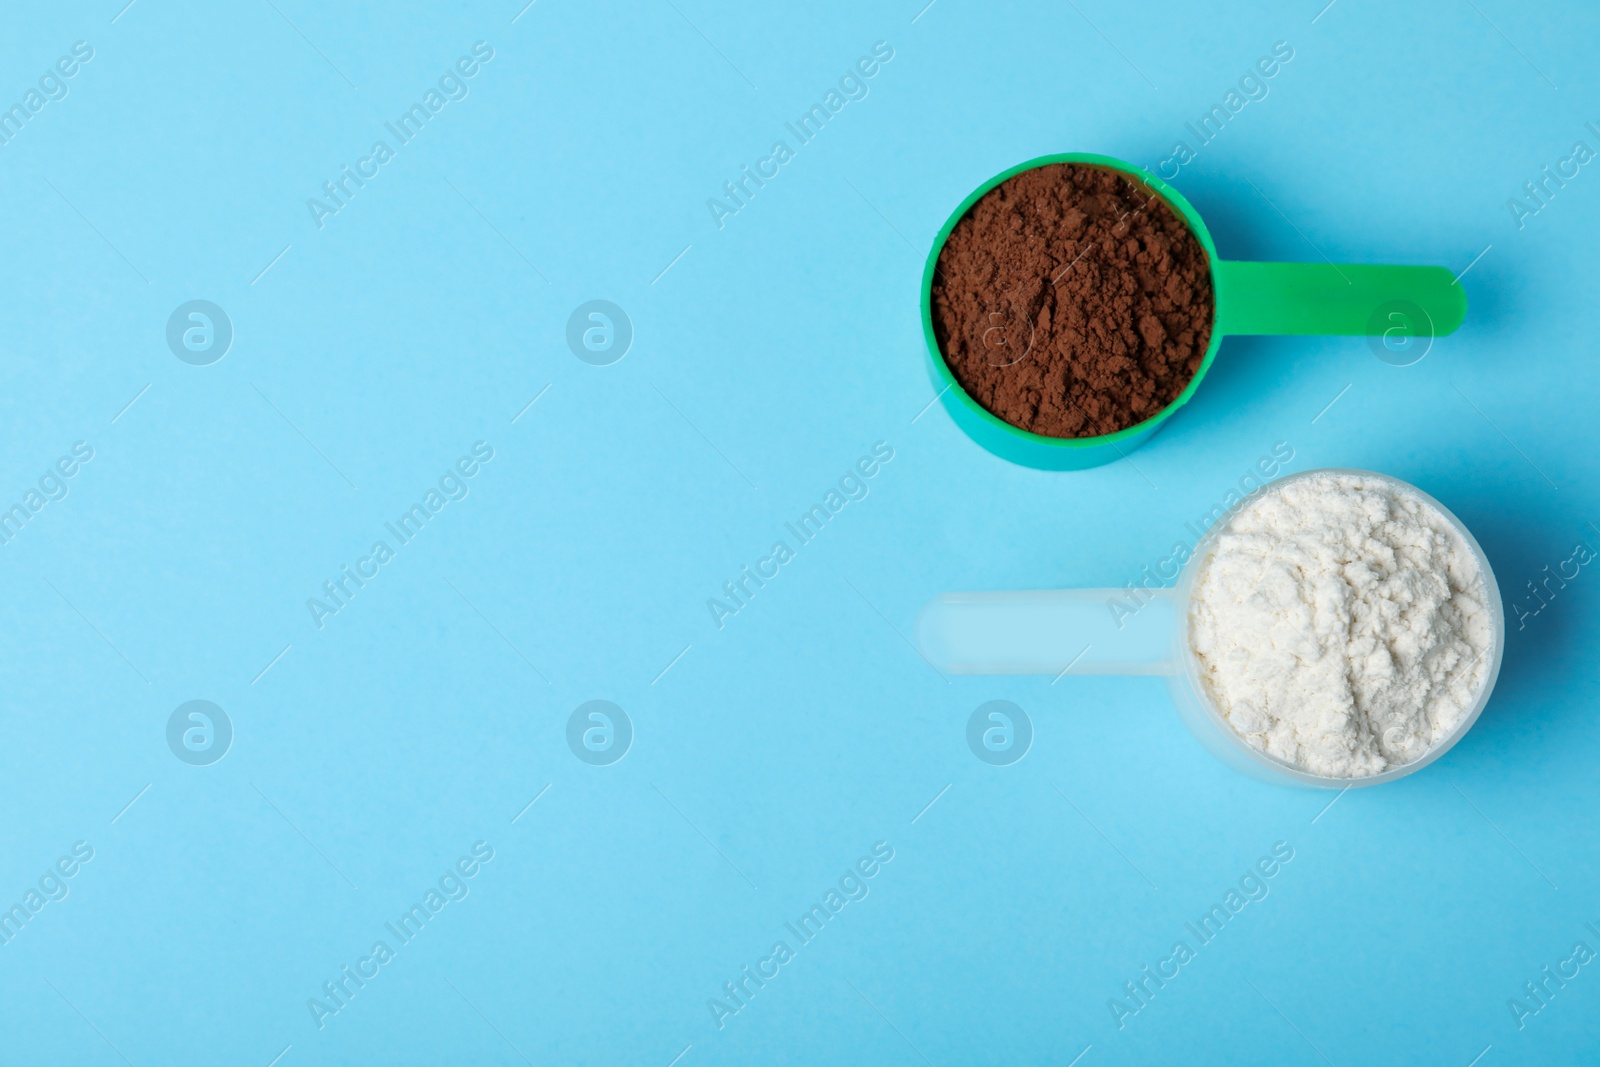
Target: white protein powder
1341	625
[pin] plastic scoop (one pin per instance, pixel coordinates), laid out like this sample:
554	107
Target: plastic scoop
1401	304
1075	631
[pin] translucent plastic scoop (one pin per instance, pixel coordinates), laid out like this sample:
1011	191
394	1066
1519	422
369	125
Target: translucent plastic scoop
1098	631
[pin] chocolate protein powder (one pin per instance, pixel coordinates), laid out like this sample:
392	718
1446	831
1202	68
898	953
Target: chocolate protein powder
1072	301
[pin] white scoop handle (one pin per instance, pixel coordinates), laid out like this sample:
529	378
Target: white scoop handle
1052	631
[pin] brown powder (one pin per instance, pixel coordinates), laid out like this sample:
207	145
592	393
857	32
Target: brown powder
1072	301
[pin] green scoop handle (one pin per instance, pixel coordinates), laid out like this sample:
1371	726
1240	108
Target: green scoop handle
1336	299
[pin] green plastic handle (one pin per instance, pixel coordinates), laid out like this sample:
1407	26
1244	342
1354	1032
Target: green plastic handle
1336	299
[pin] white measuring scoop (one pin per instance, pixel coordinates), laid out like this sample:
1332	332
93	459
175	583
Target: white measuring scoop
1075	631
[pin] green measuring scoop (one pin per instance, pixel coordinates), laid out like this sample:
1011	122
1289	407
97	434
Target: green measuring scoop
1405	306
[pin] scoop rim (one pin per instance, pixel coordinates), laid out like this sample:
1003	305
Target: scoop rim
954	389
1189	659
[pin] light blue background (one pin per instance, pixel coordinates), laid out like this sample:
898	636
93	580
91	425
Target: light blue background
777	350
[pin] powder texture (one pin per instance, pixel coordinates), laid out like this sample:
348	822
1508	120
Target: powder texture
1341	624
1072	301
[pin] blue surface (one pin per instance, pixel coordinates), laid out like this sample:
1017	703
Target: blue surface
771	754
